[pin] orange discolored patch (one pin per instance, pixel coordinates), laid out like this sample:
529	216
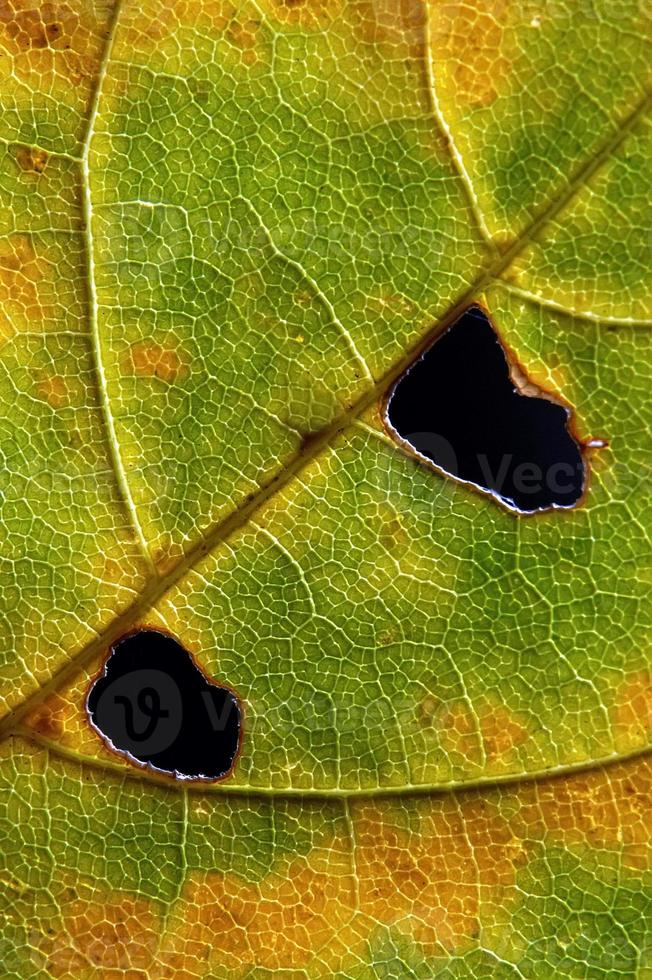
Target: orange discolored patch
243	34
54	390
31	159
440	870
277	924
16	254
502	731
457	727
487	735
48	719
608	808
22	273
468	47
157	27
632	712
428	880
114	940
151	360
413	878
62	720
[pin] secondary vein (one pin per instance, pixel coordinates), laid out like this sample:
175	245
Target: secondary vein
96	347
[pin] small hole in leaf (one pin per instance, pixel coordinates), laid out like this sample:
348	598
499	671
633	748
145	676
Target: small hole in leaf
466	409
155	706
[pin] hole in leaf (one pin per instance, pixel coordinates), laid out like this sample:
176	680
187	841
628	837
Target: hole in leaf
155	706
459	407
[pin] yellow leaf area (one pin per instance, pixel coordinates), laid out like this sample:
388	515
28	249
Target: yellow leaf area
447	874
51	54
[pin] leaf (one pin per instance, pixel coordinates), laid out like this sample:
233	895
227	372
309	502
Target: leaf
229	227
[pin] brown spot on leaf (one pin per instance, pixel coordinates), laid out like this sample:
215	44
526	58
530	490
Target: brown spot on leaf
54	390
389	636
31	159
80	68
22	26
391	532
48	719
27	25
243	33
55	47
152	360
112	569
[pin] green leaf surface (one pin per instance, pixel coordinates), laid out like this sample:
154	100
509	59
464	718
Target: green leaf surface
227	229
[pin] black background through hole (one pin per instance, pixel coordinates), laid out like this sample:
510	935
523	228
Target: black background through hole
154	703
458	406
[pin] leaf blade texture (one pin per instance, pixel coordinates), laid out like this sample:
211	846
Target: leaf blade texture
228	228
